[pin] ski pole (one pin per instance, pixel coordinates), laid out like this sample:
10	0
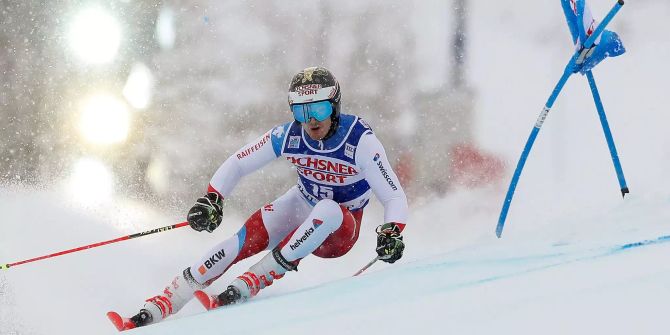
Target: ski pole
608	133
543	115
366	266
128	237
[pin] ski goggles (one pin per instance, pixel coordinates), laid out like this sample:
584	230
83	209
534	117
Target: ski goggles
320	110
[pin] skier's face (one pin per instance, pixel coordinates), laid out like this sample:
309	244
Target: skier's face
317	130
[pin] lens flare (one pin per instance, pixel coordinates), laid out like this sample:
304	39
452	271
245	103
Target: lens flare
104	120
95	36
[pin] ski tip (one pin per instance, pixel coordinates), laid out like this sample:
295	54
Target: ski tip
116	320
4	266
624	191
205	299
119	322
620	2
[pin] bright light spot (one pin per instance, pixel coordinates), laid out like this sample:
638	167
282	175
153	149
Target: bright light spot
157	175
139	86
95	36
165	32
104	120
91	181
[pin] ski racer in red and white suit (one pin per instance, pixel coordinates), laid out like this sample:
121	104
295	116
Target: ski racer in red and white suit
339	162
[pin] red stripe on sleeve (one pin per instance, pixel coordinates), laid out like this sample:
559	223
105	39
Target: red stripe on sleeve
400	225
211	188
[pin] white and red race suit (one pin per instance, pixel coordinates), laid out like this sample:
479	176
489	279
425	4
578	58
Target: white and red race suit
346	168
320	215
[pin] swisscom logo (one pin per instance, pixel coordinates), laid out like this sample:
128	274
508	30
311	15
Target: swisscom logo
385	174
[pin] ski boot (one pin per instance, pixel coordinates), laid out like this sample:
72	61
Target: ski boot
261	275
230	296
141	319
170	301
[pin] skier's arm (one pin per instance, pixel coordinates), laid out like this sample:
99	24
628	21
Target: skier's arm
244	161
371	157
376	169
206	213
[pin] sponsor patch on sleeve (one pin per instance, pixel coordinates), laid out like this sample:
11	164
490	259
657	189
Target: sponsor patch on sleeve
253	148
384	172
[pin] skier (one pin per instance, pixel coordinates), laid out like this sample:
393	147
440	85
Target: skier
339	162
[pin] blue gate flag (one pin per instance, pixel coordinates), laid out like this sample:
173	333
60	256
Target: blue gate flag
581	24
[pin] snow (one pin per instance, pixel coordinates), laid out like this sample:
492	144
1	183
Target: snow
569	274
560	267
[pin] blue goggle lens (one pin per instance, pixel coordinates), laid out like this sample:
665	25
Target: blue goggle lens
319	110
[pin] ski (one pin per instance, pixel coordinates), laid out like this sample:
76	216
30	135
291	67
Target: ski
208	301
120	322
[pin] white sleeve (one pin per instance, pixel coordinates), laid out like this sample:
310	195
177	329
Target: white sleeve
250	158
371	158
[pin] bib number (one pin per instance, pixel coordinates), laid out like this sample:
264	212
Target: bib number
323	192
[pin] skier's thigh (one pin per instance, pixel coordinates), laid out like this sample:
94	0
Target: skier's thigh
284	215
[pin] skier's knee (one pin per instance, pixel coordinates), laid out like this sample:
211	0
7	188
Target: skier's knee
190	280
339	242
328	214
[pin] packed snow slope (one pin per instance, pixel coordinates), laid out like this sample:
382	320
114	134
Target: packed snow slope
574	257
598	269
590	281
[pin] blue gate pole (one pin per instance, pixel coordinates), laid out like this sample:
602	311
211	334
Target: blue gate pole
529	144
608	133
569	69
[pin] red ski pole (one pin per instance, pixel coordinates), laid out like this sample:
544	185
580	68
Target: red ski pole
128	237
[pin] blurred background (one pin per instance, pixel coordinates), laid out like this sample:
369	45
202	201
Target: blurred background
145	99
128	107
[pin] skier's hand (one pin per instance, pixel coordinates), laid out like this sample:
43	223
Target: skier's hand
206	213
389	242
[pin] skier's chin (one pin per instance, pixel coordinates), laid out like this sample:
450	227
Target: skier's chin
316	133
317	130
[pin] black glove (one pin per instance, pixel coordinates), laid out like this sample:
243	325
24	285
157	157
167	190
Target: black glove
389	242
206	213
